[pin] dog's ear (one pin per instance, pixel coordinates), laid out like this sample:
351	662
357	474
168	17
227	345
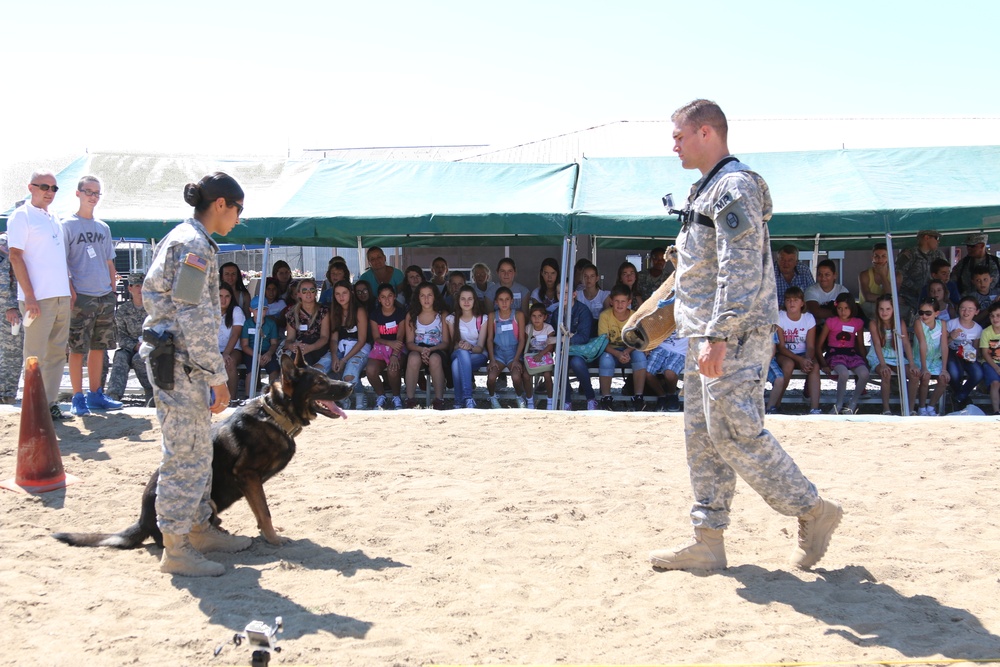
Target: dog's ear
288	373
300	361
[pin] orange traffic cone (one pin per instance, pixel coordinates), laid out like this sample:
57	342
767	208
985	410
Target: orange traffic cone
39	463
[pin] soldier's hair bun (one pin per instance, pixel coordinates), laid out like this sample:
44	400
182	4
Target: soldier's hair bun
210	188
192	194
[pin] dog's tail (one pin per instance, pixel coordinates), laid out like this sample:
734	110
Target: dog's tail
129	538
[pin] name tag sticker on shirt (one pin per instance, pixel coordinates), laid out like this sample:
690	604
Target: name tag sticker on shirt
91	253
251	331
848	328
303	327
389	326
506	327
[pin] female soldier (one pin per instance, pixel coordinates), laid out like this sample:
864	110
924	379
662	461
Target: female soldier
181	295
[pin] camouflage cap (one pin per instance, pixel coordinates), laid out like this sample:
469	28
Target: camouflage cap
928	232
136	278
976	239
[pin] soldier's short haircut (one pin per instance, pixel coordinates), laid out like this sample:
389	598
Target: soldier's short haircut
702	112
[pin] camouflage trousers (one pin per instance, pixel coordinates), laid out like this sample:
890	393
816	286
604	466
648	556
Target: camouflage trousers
184	488
725	435
124	361
11	359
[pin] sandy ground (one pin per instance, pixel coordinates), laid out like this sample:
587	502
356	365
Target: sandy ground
509	537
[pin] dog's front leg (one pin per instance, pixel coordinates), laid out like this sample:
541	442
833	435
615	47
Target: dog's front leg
253	491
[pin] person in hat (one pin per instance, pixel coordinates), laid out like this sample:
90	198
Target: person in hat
128	329
975	257
914	265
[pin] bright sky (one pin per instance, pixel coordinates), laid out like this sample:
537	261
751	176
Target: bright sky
247	77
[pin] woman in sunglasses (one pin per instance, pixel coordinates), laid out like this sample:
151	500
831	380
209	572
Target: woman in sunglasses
181	297
308	328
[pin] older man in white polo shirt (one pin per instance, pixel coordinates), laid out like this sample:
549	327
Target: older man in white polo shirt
38	257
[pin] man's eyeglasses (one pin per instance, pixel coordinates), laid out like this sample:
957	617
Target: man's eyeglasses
926	312
239	207
45	187
91	193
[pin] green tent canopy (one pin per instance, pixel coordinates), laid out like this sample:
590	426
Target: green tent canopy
847	198
837	199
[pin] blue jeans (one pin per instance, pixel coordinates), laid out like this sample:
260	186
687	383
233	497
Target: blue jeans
972	370
608	363
578	367
463	363
355	365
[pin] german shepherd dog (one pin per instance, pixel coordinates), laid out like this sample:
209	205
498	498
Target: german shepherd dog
252	445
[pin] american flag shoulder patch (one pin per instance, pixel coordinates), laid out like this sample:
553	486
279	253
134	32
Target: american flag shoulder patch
196	262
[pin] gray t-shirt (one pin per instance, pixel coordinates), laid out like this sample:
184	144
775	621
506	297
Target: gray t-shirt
521	294
88	249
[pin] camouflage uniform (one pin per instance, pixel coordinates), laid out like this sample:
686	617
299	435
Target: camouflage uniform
181	295
914	266
128	327
11	346
725	289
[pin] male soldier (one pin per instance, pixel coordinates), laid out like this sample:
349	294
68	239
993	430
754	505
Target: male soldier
90	255
11	345
128	329
658	271
726	307
38	257
975	257
914	265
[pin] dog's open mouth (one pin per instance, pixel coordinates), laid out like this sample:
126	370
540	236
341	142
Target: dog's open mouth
329	409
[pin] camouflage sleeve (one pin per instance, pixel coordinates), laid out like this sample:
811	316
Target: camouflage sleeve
738	208
8	285
199	321
123	331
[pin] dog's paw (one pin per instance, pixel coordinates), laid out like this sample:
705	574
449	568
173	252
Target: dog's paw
276	540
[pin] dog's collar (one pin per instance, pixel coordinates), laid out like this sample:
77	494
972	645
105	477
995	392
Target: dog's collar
283	422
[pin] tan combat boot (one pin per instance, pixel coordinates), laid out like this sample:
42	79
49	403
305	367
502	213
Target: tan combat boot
205	538
815	529
706	552
179	557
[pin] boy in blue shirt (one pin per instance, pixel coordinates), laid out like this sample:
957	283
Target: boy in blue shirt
268	344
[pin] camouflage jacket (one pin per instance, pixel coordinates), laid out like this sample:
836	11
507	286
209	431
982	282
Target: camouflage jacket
181	295
915	268
725	280
8	283
128	324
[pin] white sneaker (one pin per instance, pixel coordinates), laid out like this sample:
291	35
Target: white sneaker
470	403
930	412
921	412
495	402
397	402
521	403
815	411
592	404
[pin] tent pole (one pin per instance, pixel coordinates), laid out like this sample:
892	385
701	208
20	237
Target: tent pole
815	259
901	369
251	381
362	259
561	356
